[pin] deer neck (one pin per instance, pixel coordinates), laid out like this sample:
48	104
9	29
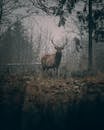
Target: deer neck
58	58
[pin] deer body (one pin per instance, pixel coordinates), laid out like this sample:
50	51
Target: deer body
51	61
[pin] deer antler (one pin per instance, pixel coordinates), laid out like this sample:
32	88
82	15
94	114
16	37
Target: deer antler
64	44
53	43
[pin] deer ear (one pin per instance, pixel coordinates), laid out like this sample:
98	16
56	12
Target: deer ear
55	47
62	47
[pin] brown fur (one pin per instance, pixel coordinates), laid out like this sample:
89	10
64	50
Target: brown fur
52	61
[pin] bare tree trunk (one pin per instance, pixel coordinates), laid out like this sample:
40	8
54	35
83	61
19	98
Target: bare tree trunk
1	10
60	7
90	37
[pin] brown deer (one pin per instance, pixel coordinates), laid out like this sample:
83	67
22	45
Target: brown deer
52	61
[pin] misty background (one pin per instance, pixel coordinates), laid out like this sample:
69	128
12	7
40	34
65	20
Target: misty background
27	28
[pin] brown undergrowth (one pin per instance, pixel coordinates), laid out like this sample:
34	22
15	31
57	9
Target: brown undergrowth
50	103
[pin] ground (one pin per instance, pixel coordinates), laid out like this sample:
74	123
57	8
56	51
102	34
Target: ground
29	102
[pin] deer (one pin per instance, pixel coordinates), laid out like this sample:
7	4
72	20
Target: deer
52	61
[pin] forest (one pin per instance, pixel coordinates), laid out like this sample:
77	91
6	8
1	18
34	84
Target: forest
51	64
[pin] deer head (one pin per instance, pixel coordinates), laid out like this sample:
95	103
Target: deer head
59	49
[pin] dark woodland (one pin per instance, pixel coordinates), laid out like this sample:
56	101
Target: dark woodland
51	65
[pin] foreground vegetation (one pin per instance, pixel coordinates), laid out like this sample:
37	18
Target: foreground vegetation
29	102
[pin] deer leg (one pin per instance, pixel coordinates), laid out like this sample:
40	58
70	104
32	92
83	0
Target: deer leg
50	72
54	70
57	72
43	71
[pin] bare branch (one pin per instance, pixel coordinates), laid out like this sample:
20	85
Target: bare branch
39	4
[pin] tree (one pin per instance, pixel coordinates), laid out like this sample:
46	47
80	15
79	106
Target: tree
6	8
23	47
15	47
1	10
90	37
42	4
